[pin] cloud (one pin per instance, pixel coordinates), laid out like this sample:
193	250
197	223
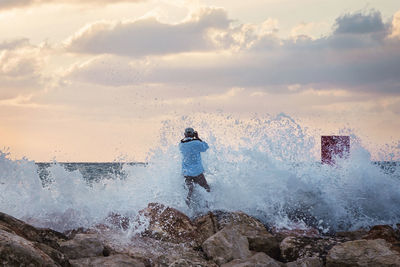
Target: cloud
7	4
360	23
148	36
246	56
11	44
20	68
396	25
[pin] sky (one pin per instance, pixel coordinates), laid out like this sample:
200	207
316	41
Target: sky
92	80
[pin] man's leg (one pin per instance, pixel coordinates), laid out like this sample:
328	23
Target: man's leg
189	185
201	180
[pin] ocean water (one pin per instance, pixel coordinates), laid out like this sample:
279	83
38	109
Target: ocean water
266	166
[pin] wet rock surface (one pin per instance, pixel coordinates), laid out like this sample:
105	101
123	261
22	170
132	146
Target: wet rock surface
168	237
295	247
168	224
226	245
83	245
363	252
258	259
114	260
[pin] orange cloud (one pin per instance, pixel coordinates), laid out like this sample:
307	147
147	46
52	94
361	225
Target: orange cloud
396	25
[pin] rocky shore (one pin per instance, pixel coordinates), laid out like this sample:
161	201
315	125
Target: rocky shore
164	236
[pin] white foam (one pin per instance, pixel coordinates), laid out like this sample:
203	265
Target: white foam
266	167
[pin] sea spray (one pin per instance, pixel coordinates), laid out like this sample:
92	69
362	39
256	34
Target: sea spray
266	166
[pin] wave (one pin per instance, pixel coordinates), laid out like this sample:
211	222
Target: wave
267	167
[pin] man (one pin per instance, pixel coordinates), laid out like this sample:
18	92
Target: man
192	168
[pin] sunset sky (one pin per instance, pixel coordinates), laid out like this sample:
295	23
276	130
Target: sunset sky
92	80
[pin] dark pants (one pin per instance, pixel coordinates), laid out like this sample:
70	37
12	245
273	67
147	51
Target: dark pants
200	180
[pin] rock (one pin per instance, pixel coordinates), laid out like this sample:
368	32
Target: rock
206	226
293	248
260	240
363	253
282	233
223	219
385	232
226	245
306	262
117	220
56	255
352	235
259	259
18	251
382	232
168	224
22	229
114	260
155	252
83	246
189	263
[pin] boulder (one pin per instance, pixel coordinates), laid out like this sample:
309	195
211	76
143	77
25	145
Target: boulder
206	226
83	246
56	255
260	240
351	235
27	231
293	248
190	263
376	252
226	245
224	218
385	232
114	260
167	224
259	259
306	262
155	252
382	232
18	251
282	233
117	220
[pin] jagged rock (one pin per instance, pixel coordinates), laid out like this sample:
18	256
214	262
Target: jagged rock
83	246
260	240
385	232
155	252
206	226
282	233
168	224
382	232
293	248
22	229
56	255
117	220
363	253
226	245
352	235
306	262
259	259
73	232
114	260
189	263
18	251
223	219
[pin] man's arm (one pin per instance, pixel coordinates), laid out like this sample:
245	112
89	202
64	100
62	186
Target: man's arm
202	146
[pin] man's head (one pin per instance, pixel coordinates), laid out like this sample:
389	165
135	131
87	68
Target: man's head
189	132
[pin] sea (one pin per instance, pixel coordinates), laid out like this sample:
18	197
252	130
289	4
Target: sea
267	167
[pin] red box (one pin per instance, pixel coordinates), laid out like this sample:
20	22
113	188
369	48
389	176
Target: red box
333	146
